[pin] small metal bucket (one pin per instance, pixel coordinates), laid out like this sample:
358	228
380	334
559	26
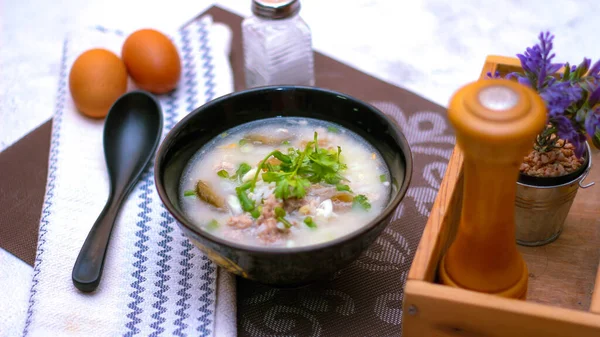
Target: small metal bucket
541	211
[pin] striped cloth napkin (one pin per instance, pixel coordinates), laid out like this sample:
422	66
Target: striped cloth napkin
154	282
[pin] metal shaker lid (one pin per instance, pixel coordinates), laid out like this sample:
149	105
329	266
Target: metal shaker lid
275	9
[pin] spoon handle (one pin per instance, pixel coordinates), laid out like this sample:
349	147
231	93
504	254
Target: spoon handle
88	267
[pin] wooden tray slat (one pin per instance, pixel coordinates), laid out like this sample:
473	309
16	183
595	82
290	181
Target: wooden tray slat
501	64
445	210
445	311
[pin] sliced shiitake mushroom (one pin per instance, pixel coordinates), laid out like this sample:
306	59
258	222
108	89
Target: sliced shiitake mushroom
206	194
343	197
342	201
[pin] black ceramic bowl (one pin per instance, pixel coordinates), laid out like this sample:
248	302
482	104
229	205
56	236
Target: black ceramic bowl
281	266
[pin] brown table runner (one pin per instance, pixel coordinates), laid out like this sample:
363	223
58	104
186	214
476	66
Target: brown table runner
364	299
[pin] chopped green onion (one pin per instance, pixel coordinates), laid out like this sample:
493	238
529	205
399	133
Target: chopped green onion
189	193
285	142
242	169
310	222
255	213
383	178
212	225
343	188
279	212
245	185
243	141
245	201
224	134
223	174
333	129
362	201
286	223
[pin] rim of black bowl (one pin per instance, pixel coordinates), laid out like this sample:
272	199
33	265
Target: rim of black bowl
391	206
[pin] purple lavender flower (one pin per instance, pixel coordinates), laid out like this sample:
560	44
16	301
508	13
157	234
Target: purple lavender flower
524	81
592	122
560	96
537	63
570	99
583	67
585	64
495	75
595	70
594	97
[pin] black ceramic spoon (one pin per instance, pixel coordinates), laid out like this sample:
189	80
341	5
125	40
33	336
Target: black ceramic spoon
132	132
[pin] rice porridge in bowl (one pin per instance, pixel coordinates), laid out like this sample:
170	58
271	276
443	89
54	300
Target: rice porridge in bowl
284	182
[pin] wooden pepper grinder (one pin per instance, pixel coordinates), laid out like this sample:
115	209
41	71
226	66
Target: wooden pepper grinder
496	123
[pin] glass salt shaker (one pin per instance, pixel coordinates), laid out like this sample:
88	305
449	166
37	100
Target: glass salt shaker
277	45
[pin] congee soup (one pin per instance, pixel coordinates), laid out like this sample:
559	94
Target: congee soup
284	182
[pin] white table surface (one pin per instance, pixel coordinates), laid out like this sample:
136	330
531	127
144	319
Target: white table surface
430	47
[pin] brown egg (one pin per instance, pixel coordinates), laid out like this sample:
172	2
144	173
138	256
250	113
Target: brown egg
97	78
152	61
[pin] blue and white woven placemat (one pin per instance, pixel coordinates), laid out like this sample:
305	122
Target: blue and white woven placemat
155	282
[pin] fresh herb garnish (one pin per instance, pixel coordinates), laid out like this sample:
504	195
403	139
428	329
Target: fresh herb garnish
255	213
243	142
310	222
212	225
282	157
362	201
285	142
343	188
223	174
383	178
294	172
288	183
324	165
280	215
333	129
300	168
189	193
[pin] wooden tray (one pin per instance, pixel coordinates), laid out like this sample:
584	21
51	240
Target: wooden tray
563	297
